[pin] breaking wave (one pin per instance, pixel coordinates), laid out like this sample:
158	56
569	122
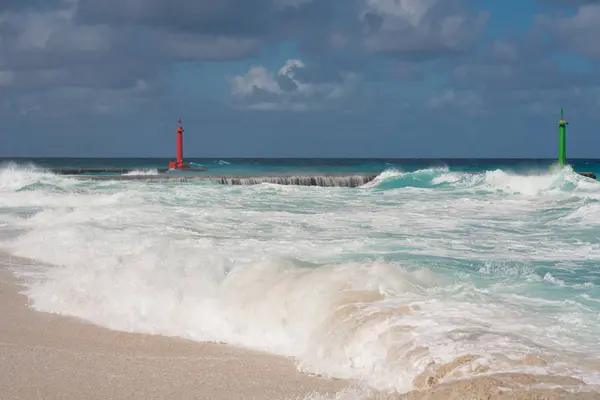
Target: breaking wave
496	181
141	172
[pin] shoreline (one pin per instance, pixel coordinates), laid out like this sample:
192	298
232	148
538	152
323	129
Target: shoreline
47	356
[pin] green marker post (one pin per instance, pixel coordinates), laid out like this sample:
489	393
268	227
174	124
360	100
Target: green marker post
562	139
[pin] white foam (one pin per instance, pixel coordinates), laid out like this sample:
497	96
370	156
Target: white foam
385	175
142	172
351	393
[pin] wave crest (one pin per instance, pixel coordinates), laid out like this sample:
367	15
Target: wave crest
494	181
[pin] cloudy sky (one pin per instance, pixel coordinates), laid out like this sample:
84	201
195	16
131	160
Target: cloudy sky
285	78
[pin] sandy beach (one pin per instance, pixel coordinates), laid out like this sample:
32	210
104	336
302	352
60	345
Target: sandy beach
45	356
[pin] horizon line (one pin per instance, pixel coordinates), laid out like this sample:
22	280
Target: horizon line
8	158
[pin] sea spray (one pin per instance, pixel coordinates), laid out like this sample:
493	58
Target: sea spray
141	172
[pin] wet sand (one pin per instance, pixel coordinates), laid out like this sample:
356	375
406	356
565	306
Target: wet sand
45	356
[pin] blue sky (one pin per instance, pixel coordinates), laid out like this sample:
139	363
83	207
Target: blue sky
299	78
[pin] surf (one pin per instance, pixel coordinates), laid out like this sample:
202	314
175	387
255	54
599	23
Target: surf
433	273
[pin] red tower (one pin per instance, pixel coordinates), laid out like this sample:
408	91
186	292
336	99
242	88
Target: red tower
179	164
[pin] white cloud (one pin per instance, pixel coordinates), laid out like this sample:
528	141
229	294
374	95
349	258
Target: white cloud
289	89
257	77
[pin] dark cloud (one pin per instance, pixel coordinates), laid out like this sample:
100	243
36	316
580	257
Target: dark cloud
418	30
101	56
230	18
523	75
194	47
116	44
223	17
576	33
35	5
287	84
78	36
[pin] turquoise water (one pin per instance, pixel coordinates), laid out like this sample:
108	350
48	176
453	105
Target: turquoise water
431	261
218	166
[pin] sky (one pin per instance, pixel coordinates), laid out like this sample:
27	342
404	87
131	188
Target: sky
299	78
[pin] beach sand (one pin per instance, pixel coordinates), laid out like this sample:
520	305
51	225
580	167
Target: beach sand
45	356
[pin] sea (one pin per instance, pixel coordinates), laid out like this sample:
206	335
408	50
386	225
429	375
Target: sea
440	268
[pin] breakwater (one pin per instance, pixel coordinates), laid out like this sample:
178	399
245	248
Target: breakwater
326	180
80	171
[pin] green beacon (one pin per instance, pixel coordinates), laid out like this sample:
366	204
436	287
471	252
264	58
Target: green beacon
562	139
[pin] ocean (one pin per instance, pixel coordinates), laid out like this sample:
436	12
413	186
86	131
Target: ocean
449	269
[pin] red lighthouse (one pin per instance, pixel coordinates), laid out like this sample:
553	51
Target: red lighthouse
179	164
